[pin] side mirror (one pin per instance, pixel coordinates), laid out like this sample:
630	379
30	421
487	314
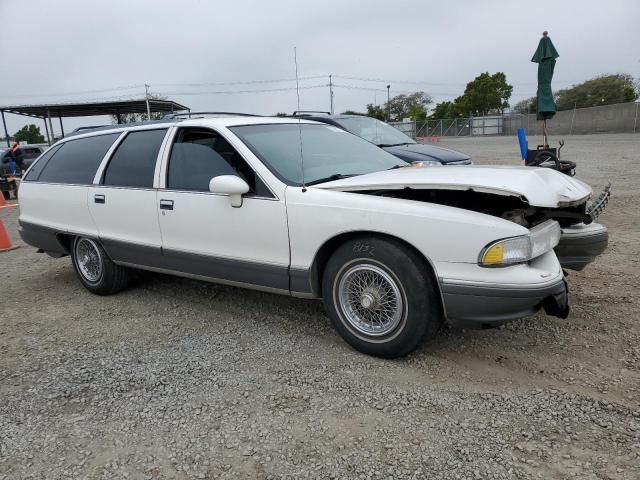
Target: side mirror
230	185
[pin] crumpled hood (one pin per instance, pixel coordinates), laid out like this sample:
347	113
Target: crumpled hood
540	187
416	152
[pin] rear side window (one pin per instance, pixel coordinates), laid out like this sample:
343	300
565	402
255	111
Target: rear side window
75	161
134	161
37	167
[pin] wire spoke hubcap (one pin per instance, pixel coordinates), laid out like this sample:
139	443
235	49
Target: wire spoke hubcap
89	259
370	300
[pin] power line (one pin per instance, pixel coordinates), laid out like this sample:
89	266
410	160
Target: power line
233	92
82	92
247	82
382	80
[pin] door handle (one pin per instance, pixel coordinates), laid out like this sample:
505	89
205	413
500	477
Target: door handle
166	204
97	198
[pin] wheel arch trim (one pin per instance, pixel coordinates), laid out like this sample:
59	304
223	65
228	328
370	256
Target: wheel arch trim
324	252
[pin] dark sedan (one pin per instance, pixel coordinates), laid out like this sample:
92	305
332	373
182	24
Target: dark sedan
391	139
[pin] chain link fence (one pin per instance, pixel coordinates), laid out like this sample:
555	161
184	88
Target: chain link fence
618	118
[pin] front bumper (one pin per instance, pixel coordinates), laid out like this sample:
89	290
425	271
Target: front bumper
488	306
581	244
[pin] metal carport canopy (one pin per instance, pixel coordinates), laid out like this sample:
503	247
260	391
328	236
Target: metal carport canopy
87	109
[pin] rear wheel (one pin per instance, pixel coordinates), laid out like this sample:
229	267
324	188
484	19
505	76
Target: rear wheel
381	297
97	272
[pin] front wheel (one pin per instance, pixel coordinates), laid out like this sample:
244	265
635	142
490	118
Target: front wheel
381	297
97	272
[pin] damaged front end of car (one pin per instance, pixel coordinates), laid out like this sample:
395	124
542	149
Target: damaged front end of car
521	195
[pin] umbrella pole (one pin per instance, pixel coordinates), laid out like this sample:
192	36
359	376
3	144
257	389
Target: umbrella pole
544	133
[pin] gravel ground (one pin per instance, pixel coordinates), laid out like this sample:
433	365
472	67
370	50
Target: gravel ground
180	379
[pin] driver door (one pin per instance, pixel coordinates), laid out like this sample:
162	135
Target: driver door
203	235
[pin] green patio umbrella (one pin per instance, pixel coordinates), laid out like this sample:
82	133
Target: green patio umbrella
545	57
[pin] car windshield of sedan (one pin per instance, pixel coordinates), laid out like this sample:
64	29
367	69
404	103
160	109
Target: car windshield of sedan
328	152
374	131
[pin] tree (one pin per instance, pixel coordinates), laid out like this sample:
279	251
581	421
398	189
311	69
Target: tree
137	117
30	134
601	90
412	106
445	110
376	111
485	94
140	117
528	105
353	112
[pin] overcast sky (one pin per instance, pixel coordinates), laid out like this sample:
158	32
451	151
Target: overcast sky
68	46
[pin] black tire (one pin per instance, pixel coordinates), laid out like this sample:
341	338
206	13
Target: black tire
108	278
388	262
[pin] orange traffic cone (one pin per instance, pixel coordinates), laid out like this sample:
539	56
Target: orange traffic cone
5	242
4	204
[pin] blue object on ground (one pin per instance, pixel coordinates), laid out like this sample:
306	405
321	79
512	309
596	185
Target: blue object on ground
524	145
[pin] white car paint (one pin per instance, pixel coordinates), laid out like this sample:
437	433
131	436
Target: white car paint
289	229
540	187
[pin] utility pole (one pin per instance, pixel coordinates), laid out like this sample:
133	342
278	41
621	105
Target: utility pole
388	103
146	95
331	94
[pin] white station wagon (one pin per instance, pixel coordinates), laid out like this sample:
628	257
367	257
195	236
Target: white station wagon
306	209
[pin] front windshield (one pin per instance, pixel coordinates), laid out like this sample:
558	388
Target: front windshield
327	151
374	130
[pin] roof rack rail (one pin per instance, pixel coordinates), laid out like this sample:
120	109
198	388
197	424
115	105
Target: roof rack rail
302	113
90	127
199	114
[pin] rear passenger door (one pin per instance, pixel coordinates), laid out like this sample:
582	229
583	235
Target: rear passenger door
122	200
53	193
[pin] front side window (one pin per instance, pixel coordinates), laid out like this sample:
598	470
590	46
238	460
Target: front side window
198	155
374	131
327	151
134	161
74	161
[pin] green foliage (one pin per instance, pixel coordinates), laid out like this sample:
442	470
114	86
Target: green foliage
140	117
30	134
445	110
528	105
484	95
352	112
137	117
376	111
412	106
601	90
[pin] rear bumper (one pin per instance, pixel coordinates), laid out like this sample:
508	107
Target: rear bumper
478	306
581	244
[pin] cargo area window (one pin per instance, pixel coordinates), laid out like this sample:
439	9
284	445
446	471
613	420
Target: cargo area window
74	161
198	155
134	161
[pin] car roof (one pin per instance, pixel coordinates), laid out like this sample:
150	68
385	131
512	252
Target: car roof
230	121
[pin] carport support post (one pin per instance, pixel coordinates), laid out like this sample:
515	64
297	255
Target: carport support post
61	127
4	124
46	129
50	126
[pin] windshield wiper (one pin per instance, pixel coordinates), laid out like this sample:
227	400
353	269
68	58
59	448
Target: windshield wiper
330	178
382	145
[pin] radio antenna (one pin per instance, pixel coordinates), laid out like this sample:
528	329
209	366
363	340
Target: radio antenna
295	60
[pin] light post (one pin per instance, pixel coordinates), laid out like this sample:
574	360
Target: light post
388	103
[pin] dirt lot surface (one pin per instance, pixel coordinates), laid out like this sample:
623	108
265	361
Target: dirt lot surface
180	379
